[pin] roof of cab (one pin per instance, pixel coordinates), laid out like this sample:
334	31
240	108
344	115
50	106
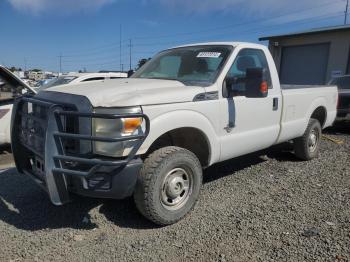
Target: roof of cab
234	44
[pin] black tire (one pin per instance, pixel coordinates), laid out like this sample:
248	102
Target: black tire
155	180
305	147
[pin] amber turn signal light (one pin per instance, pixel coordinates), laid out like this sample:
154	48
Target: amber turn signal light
131	124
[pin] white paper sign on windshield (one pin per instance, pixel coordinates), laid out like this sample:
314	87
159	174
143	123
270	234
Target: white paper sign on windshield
209	54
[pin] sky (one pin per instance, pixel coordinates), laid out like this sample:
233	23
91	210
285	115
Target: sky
85	34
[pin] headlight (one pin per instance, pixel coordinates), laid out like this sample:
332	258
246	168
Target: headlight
115	128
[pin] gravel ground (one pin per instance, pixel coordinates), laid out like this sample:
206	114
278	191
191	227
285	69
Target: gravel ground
263	207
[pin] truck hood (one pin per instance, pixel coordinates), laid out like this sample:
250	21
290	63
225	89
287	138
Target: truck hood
131	92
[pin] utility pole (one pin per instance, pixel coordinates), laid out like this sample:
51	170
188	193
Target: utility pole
60	65
25	64
122	67
120	48
130	45
346	12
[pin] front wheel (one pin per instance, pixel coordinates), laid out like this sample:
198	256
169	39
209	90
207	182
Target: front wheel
168	185
307	147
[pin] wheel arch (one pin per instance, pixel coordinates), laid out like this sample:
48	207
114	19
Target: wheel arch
318	111
320	114
187	129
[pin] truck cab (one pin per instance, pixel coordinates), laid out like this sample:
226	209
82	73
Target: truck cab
150	136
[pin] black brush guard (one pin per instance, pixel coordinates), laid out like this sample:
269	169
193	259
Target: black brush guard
49	146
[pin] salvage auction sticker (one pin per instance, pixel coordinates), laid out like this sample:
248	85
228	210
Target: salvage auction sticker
209	54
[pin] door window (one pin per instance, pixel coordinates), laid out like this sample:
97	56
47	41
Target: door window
246	59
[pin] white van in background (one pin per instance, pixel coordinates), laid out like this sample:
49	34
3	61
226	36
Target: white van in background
74	78
7	96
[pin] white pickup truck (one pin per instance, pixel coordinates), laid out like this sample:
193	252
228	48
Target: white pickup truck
151	135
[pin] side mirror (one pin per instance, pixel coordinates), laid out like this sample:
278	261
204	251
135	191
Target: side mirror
233	86
256	84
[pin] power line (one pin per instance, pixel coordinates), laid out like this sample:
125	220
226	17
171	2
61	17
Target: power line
323	17
106	58
111	47
245	32
115	61
97	50
240	24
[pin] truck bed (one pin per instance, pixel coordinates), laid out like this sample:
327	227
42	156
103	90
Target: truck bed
299	102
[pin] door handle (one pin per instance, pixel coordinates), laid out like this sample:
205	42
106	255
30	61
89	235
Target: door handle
275	104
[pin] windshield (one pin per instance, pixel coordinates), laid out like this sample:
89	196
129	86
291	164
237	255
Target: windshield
190	65
341	82
62	80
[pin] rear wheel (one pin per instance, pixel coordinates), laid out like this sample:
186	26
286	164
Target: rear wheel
307	147
168	185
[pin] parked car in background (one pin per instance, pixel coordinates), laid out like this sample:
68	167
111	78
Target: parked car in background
11	87
43	82
73	78
7	96
343	84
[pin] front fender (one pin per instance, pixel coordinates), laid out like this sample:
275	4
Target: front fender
169	121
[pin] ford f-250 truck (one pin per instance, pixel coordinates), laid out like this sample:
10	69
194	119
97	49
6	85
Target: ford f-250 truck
151	135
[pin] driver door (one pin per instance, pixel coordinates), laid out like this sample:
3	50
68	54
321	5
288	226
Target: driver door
249	124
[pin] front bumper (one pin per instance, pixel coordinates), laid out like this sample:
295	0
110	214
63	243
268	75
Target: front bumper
40	140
